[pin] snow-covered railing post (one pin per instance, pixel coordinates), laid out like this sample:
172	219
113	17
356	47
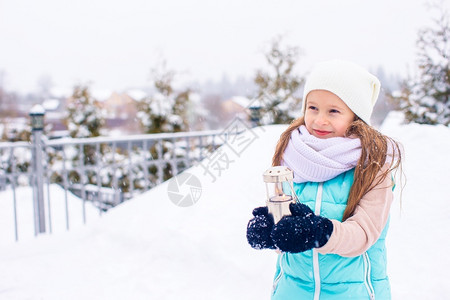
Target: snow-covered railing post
37	125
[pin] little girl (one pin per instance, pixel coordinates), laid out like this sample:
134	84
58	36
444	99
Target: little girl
332	246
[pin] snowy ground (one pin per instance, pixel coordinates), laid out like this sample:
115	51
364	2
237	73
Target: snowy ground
149	248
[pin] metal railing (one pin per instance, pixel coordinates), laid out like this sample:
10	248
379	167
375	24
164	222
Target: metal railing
15	170
103	170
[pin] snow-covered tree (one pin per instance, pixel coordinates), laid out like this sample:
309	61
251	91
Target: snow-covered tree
165	110
277	86
85	117
425	97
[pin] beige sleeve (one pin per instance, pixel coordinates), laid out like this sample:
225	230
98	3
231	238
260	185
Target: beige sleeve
359	232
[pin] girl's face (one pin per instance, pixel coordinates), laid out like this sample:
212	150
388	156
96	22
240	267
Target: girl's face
326	115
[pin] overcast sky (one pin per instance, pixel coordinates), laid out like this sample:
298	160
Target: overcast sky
114	44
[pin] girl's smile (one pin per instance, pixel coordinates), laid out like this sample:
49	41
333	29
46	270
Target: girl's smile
321	132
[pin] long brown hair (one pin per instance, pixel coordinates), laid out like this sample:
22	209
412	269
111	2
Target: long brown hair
377	151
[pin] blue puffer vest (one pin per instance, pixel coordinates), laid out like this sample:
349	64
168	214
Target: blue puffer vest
310	275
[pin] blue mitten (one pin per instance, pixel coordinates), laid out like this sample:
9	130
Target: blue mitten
301	231
259	229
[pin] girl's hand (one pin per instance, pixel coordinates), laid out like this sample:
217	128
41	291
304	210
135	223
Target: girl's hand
259	229
301	231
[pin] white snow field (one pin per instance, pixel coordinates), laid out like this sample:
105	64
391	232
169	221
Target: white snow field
149	248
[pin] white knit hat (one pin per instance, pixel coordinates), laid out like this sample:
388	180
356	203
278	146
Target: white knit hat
354	85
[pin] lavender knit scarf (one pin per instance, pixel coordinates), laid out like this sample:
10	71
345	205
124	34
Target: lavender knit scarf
318	160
